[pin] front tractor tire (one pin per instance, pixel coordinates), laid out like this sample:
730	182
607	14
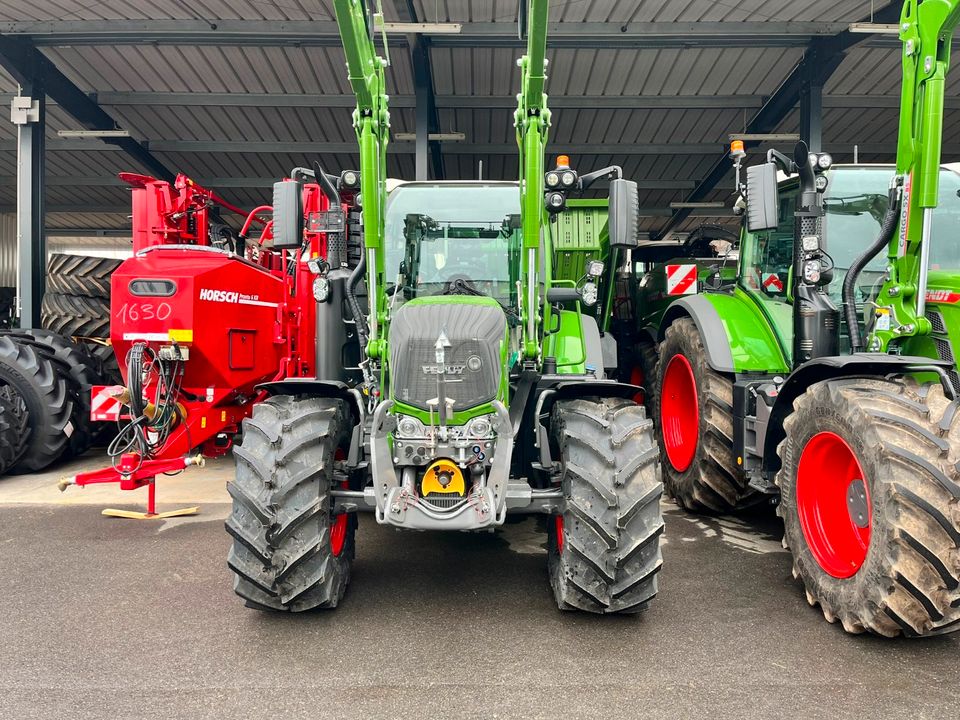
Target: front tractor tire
604	550
695	408
869	487
290	553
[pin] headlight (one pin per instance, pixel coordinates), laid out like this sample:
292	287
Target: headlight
589	293
811	243
811	271
479	427
410	427
821	183
824	161
595	268
555	201
568	179
349	178
321	289
552	179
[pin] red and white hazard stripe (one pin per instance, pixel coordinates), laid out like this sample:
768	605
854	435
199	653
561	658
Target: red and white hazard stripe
681	279
773	283
105	405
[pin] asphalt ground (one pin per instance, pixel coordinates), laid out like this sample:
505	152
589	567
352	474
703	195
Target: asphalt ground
110	618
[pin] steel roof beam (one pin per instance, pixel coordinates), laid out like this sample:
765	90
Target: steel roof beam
449	148
27	64
496	102
822	58
473	34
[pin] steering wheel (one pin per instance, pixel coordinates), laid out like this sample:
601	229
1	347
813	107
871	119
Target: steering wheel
697	245
460	285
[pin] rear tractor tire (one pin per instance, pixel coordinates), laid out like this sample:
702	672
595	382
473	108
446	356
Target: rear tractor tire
14	431
643	372
604	550
39	380
695	407
289	552
870	491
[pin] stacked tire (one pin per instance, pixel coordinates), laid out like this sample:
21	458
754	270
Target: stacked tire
77	302
77	305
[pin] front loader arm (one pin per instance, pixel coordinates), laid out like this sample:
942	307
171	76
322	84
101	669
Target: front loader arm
532	120
926	30
371	120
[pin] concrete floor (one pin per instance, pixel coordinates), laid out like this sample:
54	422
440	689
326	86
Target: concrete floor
106	618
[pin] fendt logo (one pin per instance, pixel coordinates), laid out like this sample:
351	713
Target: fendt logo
450	369
226	296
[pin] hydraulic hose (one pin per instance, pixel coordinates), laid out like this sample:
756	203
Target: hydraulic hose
363	330
887	228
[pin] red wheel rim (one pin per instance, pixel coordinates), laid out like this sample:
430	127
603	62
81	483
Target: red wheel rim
558	527
679	413
833	502
338	534
636	378
338	527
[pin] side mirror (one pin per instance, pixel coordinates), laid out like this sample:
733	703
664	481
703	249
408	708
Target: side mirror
287	215
762	201
623	225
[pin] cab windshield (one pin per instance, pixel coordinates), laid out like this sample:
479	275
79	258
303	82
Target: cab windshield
459	239
856	202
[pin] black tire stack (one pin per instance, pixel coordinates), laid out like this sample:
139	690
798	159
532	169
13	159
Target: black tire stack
77	302
46	374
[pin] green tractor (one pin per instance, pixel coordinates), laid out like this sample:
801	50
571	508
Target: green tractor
660	273
487	386
824	378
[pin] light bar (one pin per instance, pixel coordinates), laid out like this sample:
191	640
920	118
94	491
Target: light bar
93	133
766	137
449	137
865	28
424	28
679	205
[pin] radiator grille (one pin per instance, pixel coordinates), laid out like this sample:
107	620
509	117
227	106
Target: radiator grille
444	501
936	321
476	333
944	351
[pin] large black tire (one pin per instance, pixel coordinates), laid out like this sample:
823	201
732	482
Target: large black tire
80	275
46	393
604	551
284	554
906	578
14	431
82	371
108	366
711	482
642	362
76	315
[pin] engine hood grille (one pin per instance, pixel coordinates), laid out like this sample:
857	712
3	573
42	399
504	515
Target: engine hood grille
476	332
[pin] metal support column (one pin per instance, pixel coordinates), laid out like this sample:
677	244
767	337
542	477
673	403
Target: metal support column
422	110
28	114
811	104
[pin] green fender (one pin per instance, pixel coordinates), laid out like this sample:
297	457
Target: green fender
736	334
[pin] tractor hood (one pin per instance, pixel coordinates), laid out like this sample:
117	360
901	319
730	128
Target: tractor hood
473	334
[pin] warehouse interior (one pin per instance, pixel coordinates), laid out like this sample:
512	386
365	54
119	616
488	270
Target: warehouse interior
235	94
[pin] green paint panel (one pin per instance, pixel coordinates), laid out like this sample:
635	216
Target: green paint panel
567	345
754	346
